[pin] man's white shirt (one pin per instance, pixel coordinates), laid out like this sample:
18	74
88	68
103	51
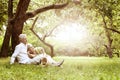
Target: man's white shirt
20	53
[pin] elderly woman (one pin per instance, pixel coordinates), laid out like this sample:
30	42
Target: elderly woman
46	60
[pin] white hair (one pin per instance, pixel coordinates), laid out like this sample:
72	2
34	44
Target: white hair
22	36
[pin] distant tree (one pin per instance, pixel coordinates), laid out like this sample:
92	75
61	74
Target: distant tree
108	11
44	36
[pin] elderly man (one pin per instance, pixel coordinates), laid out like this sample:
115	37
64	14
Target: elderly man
22	56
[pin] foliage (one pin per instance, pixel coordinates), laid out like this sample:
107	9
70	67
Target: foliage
85	12
108	9
1	40
3	12
34	4
74	68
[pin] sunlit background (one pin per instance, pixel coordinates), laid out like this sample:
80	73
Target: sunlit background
70	37
71	33
74	38
76	32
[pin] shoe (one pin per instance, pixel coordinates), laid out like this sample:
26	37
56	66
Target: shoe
60	63
44	61
38	62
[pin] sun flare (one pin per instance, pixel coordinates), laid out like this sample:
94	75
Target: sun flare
71	33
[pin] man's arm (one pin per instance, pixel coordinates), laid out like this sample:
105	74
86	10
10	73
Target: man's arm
14	55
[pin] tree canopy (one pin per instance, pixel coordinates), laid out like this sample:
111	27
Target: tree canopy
84	27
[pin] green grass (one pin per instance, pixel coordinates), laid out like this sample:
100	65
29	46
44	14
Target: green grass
74	68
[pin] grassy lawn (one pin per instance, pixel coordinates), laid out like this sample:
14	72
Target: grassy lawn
74	68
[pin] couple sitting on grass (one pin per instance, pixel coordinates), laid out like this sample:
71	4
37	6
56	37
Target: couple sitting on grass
27	54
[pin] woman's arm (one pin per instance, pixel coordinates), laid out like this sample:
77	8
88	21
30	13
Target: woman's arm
31	55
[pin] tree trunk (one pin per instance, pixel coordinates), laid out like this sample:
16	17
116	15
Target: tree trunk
18	21
15	25
109	45
5	45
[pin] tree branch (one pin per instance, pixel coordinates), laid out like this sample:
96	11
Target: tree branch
32	29
114	30
34	23
37	11
42	40
49	33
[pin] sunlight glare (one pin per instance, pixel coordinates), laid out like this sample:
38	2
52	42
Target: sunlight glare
71	33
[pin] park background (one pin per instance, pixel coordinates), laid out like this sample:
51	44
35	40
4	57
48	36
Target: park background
78	31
